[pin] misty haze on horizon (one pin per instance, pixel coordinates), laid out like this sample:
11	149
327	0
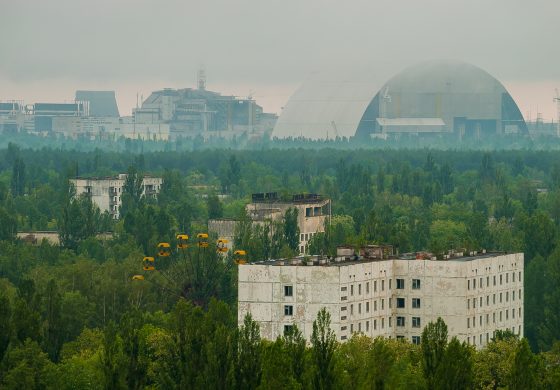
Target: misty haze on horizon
268	49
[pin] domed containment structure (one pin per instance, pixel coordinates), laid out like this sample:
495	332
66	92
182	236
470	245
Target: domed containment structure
436	97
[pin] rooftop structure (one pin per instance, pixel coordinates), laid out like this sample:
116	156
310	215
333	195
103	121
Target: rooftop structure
379	294
435	97
101	103
106	192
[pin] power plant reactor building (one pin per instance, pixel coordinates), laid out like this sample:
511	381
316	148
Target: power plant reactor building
436	97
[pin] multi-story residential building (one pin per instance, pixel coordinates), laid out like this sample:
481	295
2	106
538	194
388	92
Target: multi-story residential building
106	192
265	208
390	296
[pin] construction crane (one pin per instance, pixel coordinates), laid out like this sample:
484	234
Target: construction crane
557	100
333	125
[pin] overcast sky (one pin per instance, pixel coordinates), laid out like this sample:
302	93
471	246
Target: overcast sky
268	47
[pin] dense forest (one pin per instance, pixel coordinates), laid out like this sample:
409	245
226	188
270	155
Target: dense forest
72	317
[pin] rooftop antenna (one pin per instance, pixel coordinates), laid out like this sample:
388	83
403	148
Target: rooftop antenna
201	79
557	100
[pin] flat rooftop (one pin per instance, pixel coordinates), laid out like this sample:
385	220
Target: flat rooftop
345	261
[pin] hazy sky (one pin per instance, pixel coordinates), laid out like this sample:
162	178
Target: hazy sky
51	48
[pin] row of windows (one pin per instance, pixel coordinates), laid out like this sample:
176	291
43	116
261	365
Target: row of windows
506	313
472	283
401	303
401	321
473	303
306	236
400	285
472	340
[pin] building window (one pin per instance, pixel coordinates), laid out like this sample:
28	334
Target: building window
383	304
367	307
359	308
343	337
400	284
494	280
343	288
400	337
343	298
507	314
400	321
351	328
301	237
359	326
416	340
487	300
416	284
374	305
480	321
367	326
383	285
507	296
352	290
288	310
351	309
343	328
513	313
416	322
474	303
468	284
513	295
468	323
500	315
519	276
360	289
288	329
494	318
367	288
487	317
390	303
390	280
374	324
343	318
468	304
375	286
288	291
507	278
488	281
500	297
480	283
390	322
474	284
383	323
513	277
494	299
501	279
415	303
400	303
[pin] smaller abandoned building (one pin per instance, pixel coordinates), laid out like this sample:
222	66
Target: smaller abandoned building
313	212
378	294
106	192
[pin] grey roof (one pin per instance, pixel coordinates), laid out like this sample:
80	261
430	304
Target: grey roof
101	103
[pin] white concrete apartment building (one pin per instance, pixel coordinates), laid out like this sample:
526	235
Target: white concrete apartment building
475	295
106	192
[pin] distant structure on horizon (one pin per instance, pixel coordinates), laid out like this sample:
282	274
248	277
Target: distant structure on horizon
375	293
167	114
436	97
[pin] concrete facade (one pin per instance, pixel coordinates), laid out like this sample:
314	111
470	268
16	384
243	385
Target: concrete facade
106	192
475	295
313	213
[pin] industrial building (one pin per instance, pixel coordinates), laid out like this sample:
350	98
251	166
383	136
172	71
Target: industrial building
198	112
377	294
106	192
314	211
436	97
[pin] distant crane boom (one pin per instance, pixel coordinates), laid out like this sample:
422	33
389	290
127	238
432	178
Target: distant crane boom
557	100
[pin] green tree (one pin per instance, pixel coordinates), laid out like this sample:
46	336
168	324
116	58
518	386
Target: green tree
249	355
291	229
133	190
323	347
215	207
18	177
434	343
113	359
456	368
525	369
25	367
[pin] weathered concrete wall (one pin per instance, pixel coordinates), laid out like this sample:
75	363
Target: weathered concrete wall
363	296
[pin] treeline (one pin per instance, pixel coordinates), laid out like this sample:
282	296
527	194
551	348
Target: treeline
189	348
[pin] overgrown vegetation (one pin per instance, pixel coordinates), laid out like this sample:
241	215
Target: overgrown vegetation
71	317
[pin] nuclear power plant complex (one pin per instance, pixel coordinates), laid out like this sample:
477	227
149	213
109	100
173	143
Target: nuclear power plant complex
450	99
